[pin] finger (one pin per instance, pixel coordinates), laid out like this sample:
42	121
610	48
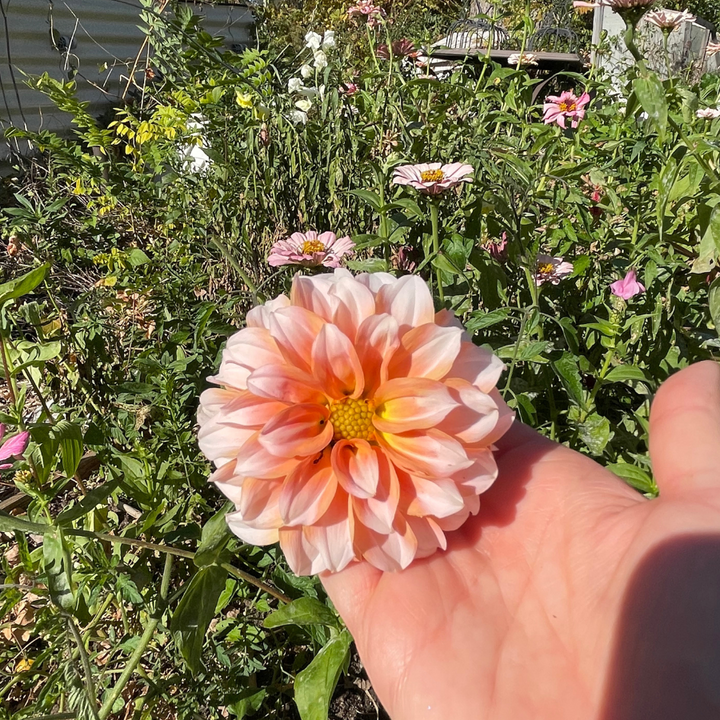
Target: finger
351	591
685	430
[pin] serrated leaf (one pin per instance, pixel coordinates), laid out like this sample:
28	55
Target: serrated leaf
23	285
634	476
304	611
314	686
595	433
195	611
481	320
566	368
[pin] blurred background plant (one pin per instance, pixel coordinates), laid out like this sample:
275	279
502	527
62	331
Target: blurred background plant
145	239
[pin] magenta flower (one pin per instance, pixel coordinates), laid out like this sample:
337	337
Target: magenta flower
311	250
400	49
551	269
433	178
627	287
372	12
13	448
349	88
567	105
497	247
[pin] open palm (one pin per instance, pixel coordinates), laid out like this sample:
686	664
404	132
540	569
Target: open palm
569	595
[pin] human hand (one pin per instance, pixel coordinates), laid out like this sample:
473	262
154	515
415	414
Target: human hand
569	596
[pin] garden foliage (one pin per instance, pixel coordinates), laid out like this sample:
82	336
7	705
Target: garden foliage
134	249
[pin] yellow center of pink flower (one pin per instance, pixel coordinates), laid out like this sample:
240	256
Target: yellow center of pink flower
352	419
312	246
566	107
545	268
432	175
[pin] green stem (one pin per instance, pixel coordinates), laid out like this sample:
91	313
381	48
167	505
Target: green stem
147	636
629	38
236	265
9	379
436	247
700	159
87	670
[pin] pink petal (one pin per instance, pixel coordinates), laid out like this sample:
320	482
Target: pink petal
246	351
429	535
475	415
406	404
259	315
439	498
391	552
356	466
332	537
241	407
218	441
313	293
285	383
297	431
408	300
426	351
335	364
374	281
378	512
430	452
377	340
354	304
302	557
481	474
478	366
295	329
308	491
249	533
255	461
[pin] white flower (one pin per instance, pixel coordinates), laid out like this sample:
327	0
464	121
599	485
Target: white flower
306	71
311	92
305	104
295	85
320	60
708	113
313	40
298	117
328	40
526	58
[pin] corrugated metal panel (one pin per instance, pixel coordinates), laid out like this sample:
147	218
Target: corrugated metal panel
96	38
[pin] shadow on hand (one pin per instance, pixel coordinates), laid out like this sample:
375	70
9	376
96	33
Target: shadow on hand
666	660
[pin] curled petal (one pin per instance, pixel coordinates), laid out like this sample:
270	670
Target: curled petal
302	557
475	415
356	466
427	351
254	460
246	351
406	404
220	441
295	329
505	418
430	452
481	474
439	498
308	491
241	407
285	383
374	281
429	536
297	431
259	316
408	300
335	364
478	366
332	535
391	552
377	340
313	293
249	532
378	512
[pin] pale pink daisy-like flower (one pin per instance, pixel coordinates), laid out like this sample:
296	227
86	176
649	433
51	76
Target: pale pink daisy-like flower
373	13
13	448
618	6
627	287
433	178
551	269
708	113
558	109
668	19
311	250
353	422
525	58
711	48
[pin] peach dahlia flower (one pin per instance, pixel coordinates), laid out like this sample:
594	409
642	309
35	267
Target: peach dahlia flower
352	422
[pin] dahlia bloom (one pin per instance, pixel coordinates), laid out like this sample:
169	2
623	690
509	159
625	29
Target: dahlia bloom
352	423
433	178
551	269
708	113
13	448
565	106
628	287
668	19
311	250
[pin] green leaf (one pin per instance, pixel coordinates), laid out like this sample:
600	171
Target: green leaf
58	578
70	439
714	303
595	433
304	611
137	257
23	285
94	498
623	373
249	703
314	686
566	368
370	197
10	523
215	534
651	94
195	611
709	247
635	476
480	320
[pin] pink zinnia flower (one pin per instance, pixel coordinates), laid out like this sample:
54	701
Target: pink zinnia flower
12	448
708	113
310	249
348	88
373	13
551	269
432	178
668	19
627	287
400	49
567	105
353	423
711	48
497	248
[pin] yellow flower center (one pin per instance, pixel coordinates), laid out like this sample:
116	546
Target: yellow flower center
566	107
432	175
312	246
352	419
545	268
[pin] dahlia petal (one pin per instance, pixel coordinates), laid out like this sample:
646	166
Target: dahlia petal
505	418
313	293
427	351
378	512
259	501
354	304
439	498
335	364
426	452
478	366
481	474
285	383
331	536
220	442
295	329
302	557
408	300
225	473
406	404
356	466
297	431
307	492
475	415
249	410
429	536
391	552
377	340
254	460
246	351
250	534
259	316
374	281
